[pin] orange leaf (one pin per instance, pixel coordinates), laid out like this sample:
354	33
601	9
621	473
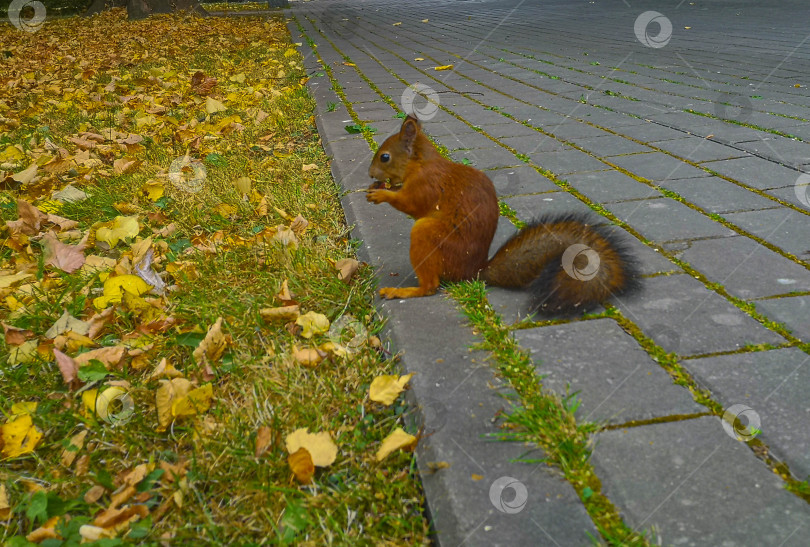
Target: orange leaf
301	464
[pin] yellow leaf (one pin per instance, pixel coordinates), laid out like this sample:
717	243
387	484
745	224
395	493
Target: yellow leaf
309	167
397	24
19	436
212	106
5	508
320	445
425	20
443	67
301	464
419	59
196	401
114	288
23	354
165	395
70	452
396	440
312	323
153	190
22	408
89	400
385	389
282	313
308	357
120	228
9	280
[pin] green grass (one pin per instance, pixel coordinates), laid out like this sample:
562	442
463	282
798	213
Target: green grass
218	268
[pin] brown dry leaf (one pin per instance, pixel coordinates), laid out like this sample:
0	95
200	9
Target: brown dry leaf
70	452
116	517
94	494
202	84
110	356
30	219
396	440
122	166
308	357
67	258
309	167
284	293
264	438
16	336
346	268
212	346
262	207
68	368
282	313
286	237
65	323
26	175
46	531
320	445
166	369
301	464
98	322
63	223
385	389
121	495
299	225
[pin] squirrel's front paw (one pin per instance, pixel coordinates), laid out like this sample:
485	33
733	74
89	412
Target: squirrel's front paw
376	196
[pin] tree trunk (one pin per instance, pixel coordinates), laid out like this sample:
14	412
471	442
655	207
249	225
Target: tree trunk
139	9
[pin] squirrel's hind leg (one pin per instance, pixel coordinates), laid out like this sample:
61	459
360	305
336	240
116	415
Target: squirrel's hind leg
427	259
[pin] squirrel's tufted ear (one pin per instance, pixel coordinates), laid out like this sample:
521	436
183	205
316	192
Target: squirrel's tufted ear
410	128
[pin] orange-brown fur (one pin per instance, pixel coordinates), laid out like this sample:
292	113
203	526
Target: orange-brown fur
456	212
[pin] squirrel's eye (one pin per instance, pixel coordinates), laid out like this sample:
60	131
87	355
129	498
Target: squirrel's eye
385	158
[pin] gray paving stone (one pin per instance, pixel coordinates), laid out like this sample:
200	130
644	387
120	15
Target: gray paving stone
452	392
466	141
746	268
656	166
609	186
664	219
755	172
510	181
717	195
798	195
697	150
533	143
530	207
610	145
777	396
697	486
783	227
570	130
567	161
487	158
681	315
617	382
793	312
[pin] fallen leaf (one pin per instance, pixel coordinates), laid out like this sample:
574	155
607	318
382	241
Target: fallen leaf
67	322
26	175
115	286
121	227
213	106
19	436
320	445
284	293
67	366
69	194
301	464
385	389
346	268
396	440
75	444
166	369
312	323
109	356
30	219
15	336
194	402
94	494
212	346
153	190
443	67
9	280
282	313
309	167
67	258
308	357
5	508
264	438
299	225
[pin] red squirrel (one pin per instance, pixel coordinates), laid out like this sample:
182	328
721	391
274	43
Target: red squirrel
568	265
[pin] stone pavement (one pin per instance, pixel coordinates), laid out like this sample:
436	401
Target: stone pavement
689	127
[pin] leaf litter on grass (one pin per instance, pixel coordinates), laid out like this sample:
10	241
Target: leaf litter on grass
180	301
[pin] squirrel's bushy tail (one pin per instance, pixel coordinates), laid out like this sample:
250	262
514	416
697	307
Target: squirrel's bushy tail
568	264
